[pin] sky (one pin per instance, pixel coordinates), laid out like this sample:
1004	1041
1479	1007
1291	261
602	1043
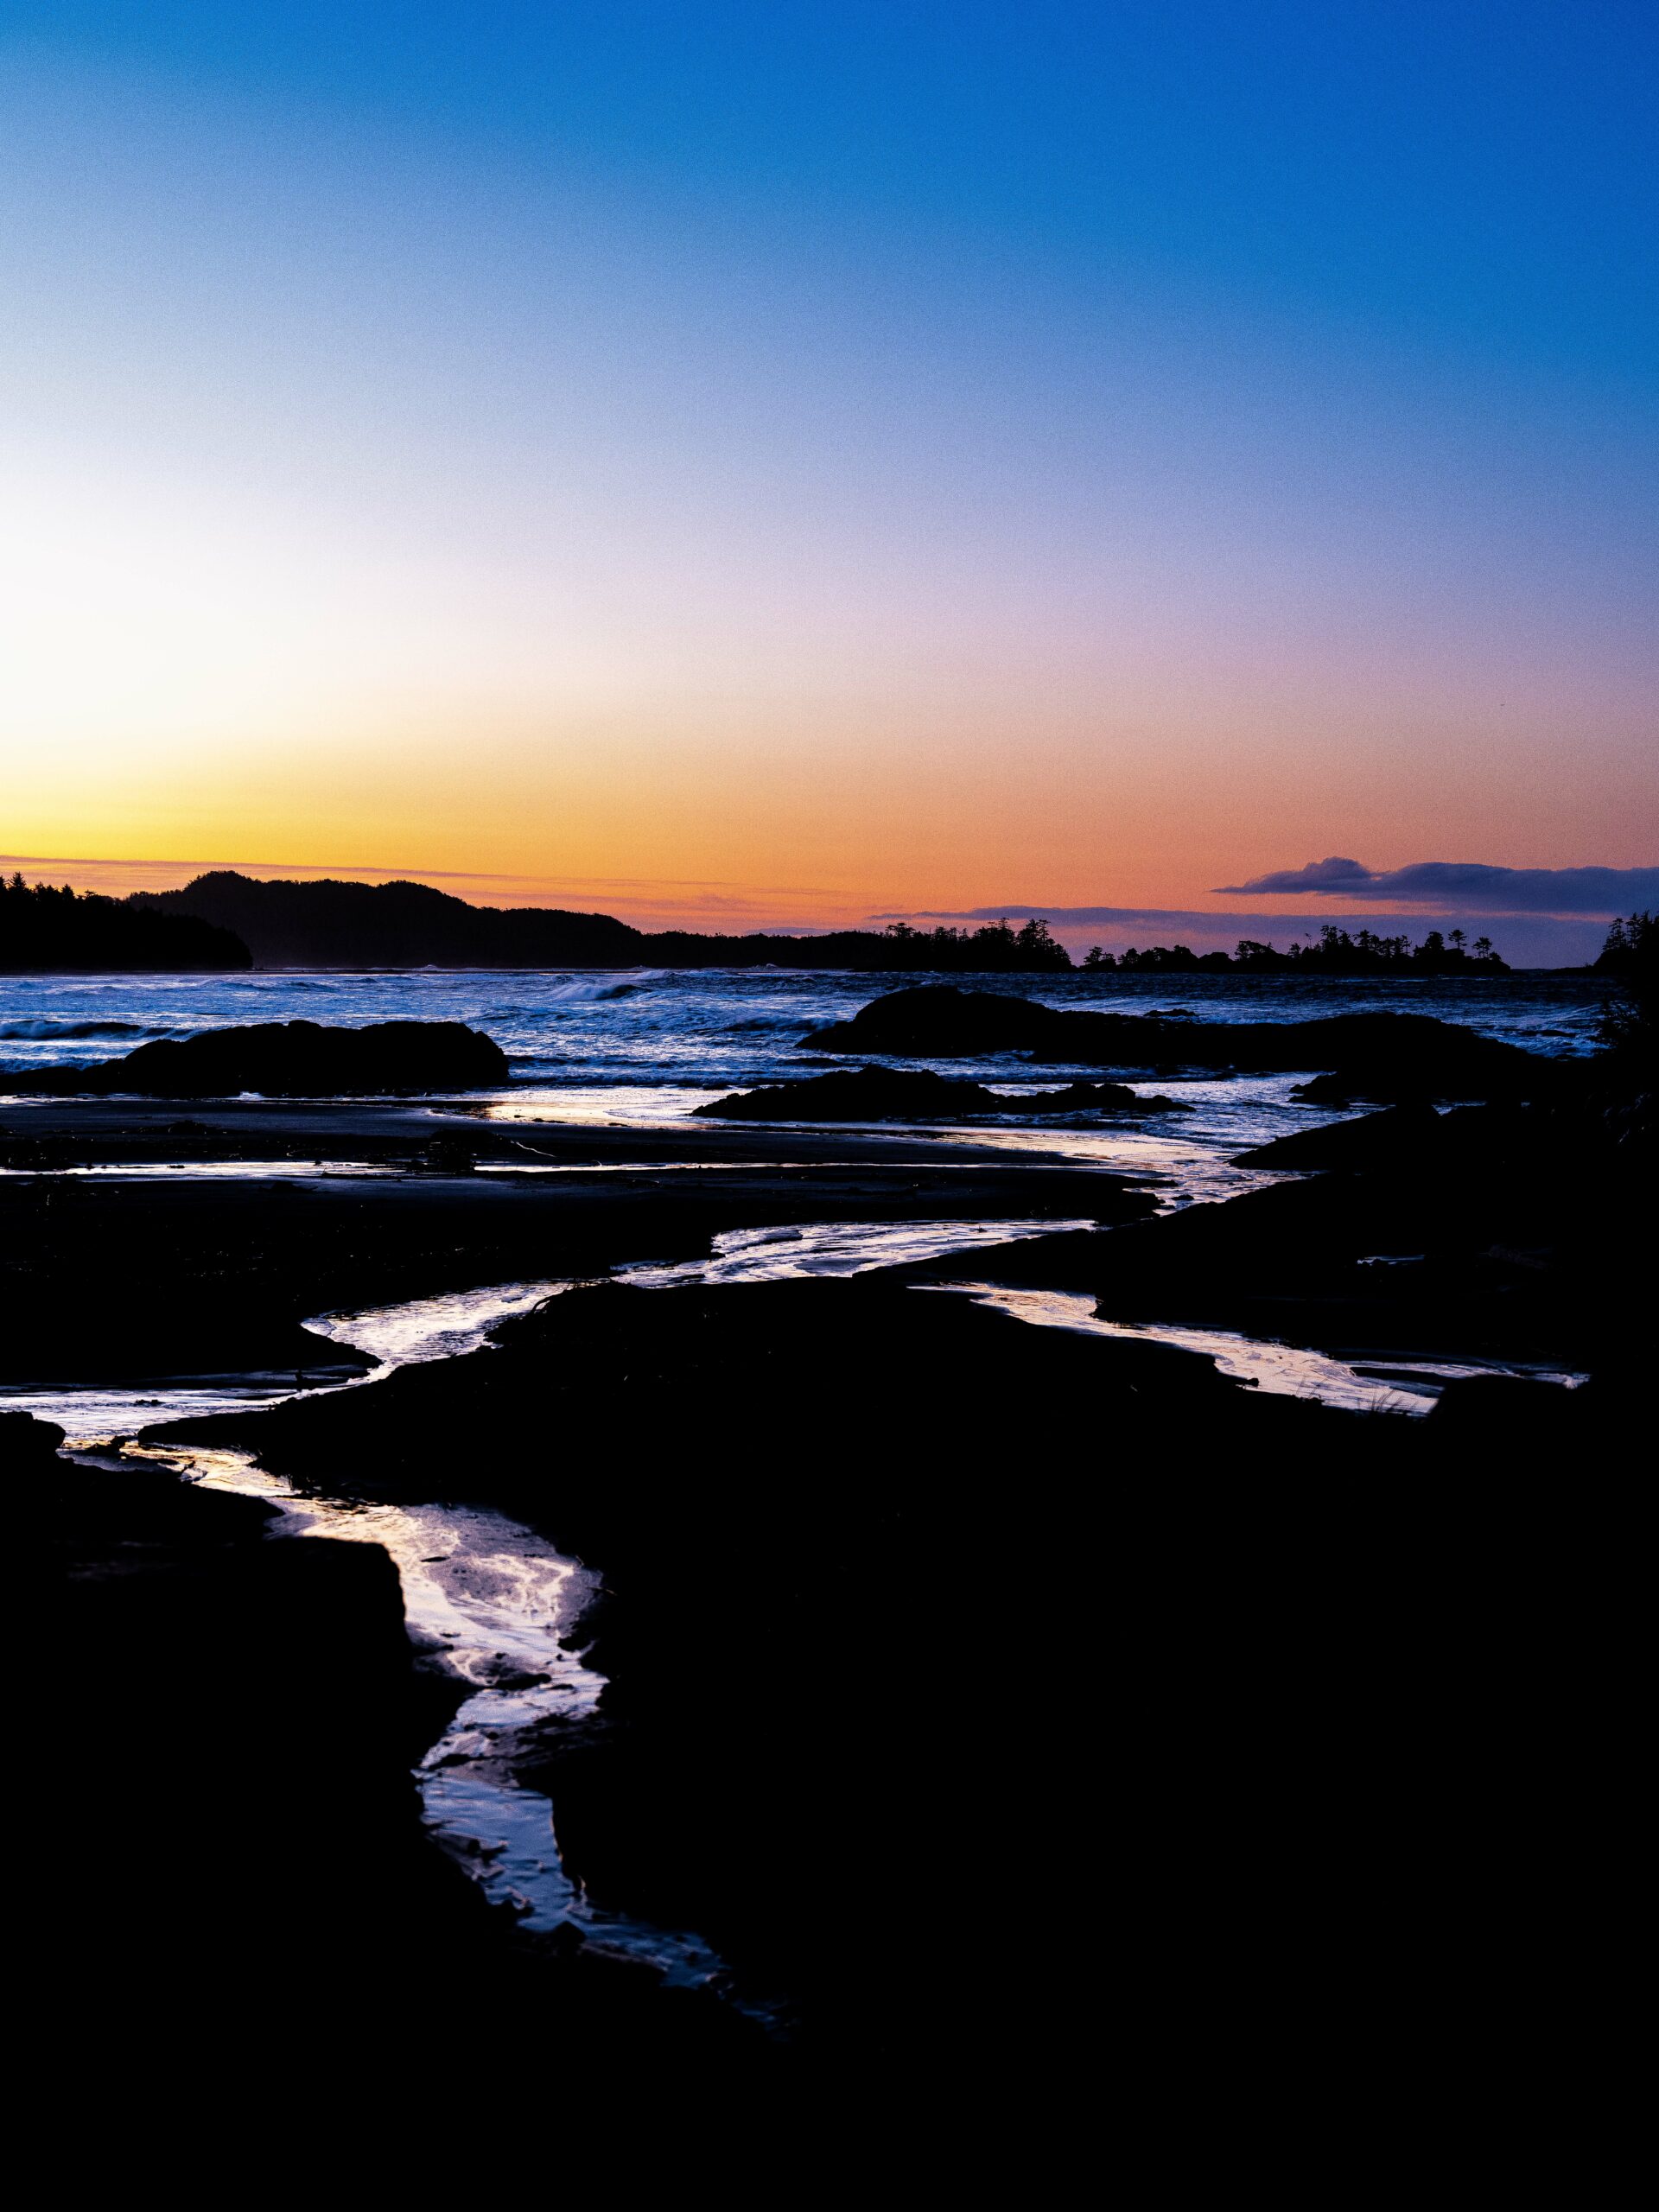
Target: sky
750	466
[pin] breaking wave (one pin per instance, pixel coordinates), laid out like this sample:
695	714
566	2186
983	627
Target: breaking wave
16	1031
593	993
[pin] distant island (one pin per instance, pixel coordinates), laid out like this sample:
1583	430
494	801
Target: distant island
226	920
1334	953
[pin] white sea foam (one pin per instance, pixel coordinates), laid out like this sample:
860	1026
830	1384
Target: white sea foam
598	990
15	1032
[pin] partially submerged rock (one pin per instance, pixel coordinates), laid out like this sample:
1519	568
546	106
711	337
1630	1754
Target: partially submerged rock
292	1059
1102	1097
859	1095
1383	1056
1397	1137
937	1018
874	1094
27	1445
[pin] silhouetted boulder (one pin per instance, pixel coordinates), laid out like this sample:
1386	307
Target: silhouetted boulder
1403	1058
860	1095
874	1094
1102	1097
296	1059
27	1445
937	1020
1390	1056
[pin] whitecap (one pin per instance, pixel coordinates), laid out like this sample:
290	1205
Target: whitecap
17	1031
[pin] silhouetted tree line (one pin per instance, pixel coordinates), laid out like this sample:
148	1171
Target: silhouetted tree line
1629	1024
1334	953
1632	943
45	929
997	948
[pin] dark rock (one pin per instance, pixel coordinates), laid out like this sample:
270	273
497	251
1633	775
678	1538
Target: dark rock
899	1094
1102	1097
860	1095
448	1156
1394	1138
1520	1239
1410	1058
937	1018
1495	1410
27	1445
1384	1055
297	1059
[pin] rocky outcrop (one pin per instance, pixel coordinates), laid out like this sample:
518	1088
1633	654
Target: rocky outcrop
1391	1057
874	1094
28	1446
1102	1099
860	1095
1490	1233
1397	1137
936	1019
291	1059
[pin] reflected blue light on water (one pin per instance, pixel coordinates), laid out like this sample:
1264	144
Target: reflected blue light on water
722	1027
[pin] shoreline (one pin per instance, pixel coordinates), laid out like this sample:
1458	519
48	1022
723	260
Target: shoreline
901	1594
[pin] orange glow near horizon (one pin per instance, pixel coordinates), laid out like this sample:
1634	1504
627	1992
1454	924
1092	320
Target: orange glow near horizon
906	813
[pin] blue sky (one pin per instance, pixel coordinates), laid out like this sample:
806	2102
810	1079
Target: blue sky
851	455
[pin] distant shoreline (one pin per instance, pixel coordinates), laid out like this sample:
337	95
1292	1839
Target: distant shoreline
1168	978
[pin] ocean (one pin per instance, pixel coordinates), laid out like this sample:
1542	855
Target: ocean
644	1048
639	1034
